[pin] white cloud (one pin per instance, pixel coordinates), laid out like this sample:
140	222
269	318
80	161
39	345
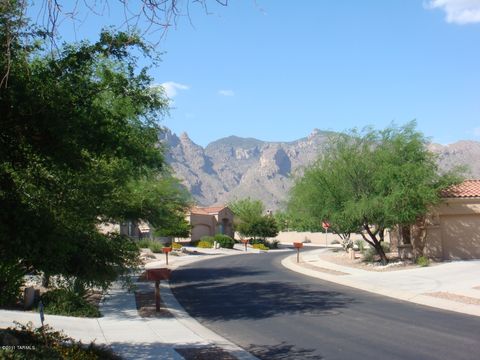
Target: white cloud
226	92
476	131
171	88
458	11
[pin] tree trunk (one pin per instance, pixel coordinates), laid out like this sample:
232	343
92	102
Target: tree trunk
376	243
379	249
45	280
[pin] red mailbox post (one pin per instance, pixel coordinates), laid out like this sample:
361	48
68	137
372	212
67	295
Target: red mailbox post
166	250
298	246
157	275
244	242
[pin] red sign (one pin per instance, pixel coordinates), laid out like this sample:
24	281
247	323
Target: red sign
166	249
325	225
297	245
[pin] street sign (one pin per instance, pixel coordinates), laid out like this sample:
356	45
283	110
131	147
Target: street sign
325	225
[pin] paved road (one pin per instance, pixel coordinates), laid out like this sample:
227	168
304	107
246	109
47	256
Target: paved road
277	314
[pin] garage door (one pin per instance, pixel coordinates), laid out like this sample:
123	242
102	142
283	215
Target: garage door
461	236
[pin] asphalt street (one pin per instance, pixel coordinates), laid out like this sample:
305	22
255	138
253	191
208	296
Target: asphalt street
274	313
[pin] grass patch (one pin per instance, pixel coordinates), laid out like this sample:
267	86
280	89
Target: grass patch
422	261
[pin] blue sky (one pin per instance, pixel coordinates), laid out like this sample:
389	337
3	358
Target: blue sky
275	70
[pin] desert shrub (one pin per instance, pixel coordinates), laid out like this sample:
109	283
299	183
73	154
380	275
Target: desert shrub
369	255
205	244
257	241
272	244
260	246
154	246
47	344
11	279
207	238
360	245
385	246
225	241
347	244
176	246
423	261
143	243
68	303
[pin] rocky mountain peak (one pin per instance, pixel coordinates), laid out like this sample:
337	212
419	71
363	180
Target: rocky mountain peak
234	167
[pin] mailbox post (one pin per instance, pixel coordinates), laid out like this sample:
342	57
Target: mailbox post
244	242
326	225
157	275
166	250
298	246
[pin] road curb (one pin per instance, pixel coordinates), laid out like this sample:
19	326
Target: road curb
348	280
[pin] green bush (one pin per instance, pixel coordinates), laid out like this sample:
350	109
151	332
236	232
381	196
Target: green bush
47	344
153	245
204	244
385	246
272	244
423	261
11	279
369	255
360	245
66	302
143	243
225	241
156	247
260	246
207	238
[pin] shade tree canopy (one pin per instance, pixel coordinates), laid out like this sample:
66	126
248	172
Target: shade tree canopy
370	181
78	147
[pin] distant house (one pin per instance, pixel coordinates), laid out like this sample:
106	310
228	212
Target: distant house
208	221
453	227
136	229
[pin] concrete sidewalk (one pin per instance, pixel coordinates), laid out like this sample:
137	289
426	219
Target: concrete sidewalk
453	286
132	336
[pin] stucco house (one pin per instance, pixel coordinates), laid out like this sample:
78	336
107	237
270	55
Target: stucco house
136	229
208	221
452	228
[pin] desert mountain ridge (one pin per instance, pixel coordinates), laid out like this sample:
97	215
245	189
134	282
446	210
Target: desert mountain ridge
234	167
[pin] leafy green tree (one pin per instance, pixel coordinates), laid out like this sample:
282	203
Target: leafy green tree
369	182
78	147
250	220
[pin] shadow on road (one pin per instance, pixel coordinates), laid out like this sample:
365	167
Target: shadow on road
282	351
205	293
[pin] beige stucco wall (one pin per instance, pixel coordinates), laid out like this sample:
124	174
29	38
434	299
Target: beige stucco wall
455	230
209	225
202	225
225	218
318	238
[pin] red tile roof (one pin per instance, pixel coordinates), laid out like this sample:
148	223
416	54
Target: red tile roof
466	189
207	210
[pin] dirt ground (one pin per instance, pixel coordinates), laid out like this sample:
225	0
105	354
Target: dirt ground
340	257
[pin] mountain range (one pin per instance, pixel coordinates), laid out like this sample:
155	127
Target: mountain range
233	167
